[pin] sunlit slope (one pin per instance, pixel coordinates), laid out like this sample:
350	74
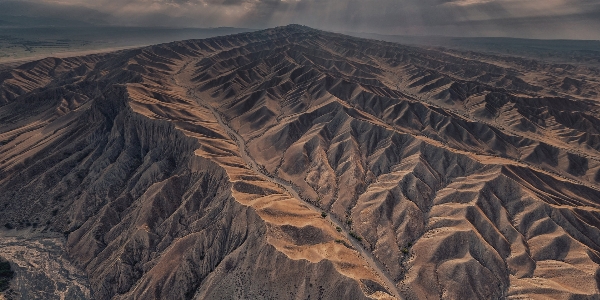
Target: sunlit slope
242	166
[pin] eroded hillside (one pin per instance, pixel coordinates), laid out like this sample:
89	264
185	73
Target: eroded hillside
296	163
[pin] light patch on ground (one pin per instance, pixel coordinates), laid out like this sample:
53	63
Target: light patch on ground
42	269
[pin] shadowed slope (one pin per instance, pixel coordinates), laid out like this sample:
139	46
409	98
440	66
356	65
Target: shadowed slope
360	133
200	169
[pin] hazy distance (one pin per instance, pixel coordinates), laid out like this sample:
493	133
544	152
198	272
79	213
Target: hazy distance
538	19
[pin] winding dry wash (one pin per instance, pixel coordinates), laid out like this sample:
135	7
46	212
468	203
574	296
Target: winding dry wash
293	163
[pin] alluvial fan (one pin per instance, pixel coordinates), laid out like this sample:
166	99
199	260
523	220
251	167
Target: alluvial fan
292	163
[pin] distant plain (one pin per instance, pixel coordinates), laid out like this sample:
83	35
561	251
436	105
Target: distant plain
18	43
580	52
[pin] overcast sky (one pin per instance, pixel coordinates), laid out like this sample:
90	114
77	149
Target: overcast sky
564	19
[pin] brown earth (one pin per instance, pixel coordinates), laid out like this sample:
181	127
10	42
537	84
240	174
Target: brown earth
201	169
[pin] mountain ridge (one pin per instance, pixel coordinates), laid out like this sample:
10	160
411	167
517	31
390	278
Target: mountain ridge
191	169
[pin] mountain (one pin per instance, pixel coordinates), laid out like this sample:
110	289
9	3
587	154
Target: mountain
292	163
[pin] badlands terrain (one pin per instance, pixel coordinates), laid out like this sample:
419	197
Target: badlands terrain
292	163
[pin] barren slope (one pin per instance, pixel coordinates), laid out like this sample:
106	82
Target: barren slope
200	169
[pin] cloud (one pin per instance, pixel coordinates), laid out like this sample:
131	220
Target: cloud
535	18
466	2
50	13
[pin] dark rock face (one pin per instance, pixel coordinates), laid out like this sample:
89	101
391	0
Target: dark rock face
200	169
6	274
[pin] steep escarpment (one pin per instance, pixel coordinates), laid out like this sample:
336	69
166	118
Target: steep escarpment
296	163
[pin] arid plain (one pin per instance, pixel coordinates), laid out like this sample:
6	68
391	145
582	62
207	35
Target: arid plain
293	163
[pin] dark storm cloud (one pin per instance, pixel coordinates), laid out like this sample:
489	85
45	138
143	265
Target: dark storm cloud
518	18
42	13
